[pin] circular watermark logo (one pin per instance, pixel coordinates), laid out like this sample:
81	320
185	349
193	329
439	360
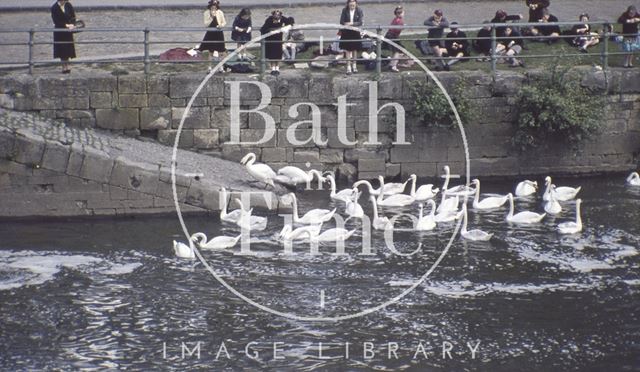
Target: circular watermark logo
388	232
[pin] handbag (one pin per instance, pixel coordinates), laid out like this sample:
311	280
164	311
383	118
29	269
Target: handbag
79	25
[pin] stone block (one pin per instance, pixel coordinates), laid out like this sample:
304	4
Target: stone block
76	156
308	137
341	137
165	190
103	83
159	100
368	175
390	88
249	90
371	165
100	100
7	141
96	166
135	176
353	87
402	154
132	100
256	121
291	86
75	103
235	152
168	137
185	86
419	169
132	84
183	178
29	150
272	155
392	170
117	119
353	155
306	156
205	138
56	156
249	137
203	194
196	118
220	118
332	156
158	84
155	118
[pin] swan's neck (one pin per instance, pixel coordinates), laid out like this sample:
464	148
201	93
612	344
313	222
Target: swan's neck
547	190
375	208
223	207
446	180
333	186
251	160
578	217
464	220
413	186
510	206
432	213
295	208
420	216
476	198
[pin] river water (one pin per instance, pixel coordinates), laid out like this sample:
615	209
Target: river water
98	294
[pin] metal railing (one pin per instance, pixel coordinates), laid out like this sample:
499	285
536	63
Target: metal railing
412	34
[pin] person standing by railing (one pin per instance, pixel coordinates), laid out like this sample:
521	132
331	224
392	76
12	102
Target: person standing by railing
435	35
241	32
631	39
394	34
213	40
273	46
350	40
64	17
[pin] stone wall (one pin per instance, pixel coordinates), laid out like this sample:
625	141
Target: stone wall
152	106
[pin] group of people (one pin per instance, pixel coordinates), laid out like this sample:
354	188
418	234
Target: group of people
447	49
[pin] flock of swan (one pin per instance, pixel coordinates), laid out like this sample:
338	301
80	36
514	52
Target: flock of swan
308	226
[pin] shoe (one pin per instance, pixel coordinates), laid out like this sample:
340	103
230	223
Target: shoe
348	69
274	72
277	72
447	68
583	50
66	71
394	69
521	64
354	69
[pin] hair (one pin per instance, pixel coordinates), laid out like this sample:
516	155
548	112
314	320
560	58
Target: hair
583	15
399	9
355	1
545	11
501	13
215	3
276	12
245	12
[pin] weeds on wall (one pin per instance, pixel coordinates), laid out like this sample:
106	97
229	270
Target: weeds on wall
432	107
556	109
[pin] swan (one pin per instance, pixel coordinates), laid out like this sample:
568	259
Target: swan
491	202
572	227
424	192
397	200
552	206
427	222
232	216
460	190
313	216
633	179
379	223
563	193
475	234
448	216
293	176
526	188
249	222
219	242
448	204
353	209
259	171
522	217
336	234
392	188
182	250
343	195
288	233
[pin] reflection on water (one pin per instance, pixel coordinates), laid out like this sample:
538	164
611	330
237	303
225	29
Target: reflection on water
109	294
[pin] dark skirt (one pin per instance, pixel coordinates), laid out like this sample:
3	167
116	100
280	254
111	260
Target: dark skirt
63	46
390	47
350	40
273	47
213	41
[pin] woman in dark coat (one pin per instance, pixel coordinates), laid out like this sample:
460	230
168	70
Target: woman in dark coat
273	47
213	41
630	21
351	15
63	16
241	30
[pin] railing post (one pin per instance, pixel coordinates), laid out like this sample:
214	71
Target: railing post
147	60
263	52
605	48
31	40
493	50
378	52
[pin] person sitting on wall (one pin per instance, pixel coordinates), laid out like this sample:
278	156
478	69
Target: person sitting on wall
457	45
510	46
548	28
536	9
293	45
503	17
482	43
437	23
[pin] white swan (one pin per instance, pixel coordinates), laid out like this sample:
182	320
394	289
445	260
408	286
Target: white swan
314	216
424	192
475	234
396	200
392	188
337	234
293	176
301	233
353	209
563	193
428	222
572	227
552	206
491	202
633	179
343	195
219	242
522	217
460	190
182	250
249	222
526	188
448	204
259	171
448	216
379	223
232	216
